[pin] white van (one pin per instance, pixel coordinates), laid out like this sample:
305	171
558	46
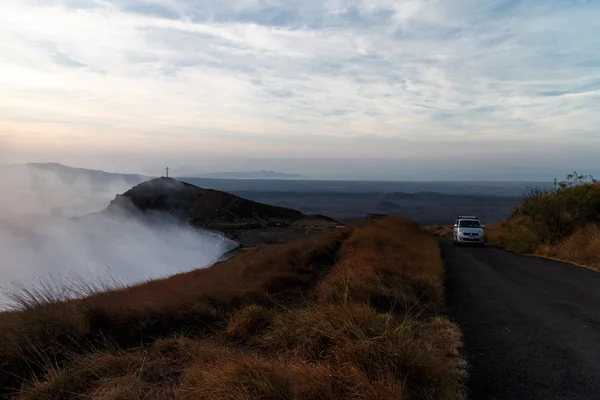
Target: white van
468	229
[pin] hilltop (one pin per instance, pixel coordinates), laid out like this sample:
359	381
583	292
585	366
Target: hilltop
198	205
247	221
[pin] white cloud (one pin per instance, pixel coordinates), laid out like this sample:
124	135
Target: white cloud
122	70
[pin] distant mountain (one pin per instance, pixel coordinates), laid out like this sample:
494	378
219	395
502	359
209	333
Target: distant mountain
251	175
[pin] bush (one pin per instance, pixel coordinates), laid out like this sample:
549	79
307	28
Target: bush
581	247
553	214
561	222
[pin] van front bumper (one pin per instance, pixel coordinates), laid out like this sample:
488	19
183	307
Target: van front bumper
474	239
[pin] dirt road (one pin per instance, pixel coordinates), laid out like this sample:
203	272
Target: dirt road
531	326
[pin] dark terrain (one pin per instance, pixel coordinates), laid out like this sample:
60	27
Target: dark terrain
425	202
530	325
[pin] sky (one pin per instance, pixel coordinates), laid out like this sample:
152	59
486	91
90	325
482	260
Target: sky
365	89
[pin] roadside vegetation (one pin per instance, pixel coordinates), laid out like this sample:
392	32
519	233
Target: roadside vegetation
354	314
562	222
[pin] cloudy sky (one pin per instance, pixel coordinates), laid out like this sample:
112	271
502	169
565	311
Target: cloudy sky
370	89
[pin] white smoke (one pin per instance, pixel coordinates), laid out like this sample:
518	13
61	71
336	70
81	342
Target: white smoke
39	239
34	191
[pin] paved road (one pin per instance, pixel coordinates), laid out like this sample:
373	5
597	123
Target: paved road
531	326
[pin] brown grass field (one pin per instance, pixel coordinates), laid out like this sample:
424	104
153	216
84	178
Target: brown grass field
582	247
354	314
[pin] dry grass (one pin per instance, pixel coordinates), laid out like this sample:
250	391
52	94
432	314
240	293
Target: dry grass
194	304
400	353
528	231
249	377
496	234
440	231
349	315
582	247
562	222
393	266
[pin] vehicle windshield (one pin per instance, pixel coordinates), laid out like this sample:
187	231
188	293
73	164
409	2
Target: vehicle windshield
469	224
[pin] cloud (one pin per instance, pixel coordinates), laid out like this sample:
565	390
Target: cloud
182	70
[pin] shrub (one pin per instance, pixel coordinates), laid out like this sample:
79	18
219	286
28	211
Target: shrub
558	222
581	247
553	214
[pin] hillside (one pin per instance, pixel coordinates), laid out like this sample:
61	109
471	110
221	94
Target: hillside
197	205
354	314
561	222
248	222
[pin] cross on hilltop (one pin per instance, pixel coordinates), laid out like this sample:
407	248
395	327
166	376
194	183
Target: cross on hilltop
167	169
